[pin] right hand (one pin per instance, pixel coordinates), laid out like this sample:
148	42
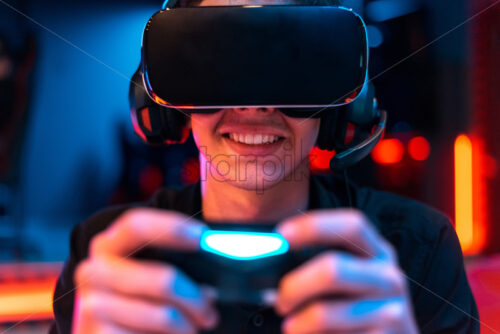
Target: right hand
117	294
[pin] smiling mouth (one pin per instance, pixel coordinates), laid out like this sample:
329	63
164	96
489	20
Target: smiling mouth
253	139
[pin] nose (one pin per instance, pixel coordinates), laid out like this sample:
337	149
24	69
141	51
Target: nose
247	110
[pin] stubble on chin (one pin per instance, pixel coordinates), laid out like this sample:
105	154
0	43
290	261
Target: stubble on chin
260	176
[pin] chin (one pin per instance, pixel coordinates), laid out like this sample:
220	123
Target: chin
258	185
251	176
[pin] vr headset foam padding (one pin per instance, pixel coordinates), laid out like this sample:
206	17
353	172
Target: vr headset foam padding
269	56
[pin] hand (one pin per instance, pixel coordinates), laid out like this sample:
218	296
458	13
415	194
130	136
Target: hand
362	291
117	294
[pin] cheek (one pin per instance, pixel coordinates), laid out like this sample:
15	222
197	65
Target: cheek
203	127
305	134
314	130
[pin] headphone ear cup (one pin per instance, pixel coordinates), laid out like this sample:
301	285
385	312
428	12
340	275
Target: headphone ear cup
336	123
173	126
363	110
155	124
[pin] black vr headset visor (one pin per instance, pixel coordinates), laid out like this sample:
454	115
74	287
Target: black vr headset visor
204	59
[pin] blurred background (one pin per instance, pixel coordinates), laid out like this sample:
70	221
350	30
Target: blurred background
67	147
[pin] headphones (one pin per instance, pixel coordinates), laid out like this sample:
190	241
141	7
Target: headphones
159	125
155	124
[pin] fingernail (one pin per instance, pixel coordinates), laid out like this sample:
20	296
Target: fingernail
286	326
209	292
194	231
280	309
287	231
211	318
182	287
269	297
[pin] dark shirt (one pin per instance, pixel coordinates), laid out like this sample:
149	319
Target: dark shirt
426	243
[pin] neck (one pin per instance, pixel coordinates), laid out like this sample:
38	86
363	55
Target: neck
226	202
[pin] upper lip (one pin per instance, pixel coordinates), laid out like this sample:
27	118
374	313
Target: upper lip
252	129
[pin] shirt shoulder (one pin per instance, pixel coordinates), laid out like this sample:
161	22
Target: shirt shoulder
428	252
392	212
388	211
419	233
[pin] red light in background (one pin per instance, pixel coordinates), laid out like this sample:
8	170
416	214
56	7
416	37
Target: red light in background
190	171
419	148
480	169
150	180
319	160
388	151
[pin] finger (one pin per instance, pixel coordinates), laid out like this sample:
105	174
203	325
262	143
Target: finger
144	227
113	329
345	228
342	316
335	273
157	282
133	314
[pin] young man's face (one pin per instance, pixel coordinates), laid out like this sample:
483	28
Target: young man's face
254	148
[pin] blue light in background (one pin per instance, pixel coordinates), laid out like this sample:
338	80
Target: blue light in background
72	156
375	37
243	245
383	10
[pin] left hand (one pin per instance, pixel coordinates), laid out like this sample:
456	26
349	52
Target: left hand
370	289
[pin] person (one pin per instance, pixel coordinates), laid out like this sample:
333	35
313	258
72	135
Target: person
397	267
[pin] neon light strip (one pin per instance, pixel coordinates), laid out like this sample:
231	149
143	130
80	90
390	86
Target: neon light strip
26	301
463	192
26	290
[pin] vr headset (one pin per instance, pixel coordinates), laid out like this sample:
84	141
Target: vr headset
272	56
308	61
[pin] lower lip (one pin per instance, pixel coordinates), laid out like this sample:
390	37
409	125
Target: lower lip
260	149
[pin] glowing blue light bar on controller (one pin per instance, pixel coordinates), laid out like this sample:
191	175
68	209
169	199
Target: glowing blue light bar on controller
243	245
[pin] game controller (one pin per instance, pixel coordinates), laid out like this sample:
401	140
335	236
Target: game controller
243	263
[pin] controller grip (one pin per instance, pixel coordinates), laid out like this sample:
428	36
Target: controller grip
242	286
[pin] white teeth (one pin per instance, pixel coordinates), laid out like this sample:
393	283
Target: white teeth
256	139
249	139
